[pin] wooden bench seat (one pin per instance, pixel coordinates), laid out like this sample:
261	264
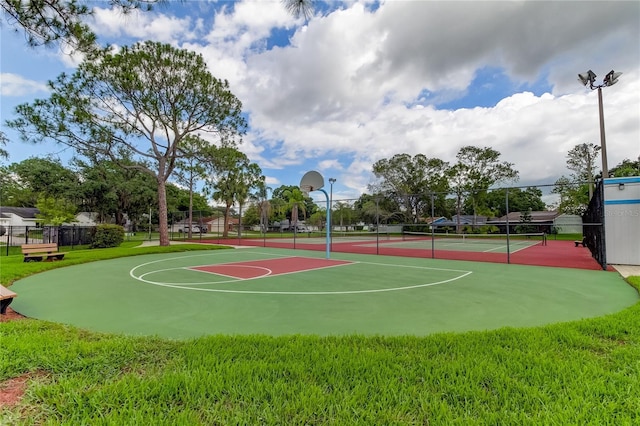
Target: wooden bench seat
38	252
6	297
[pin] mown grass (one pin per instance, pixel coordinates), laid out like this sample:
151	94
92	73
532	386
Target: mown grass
583	372
13	267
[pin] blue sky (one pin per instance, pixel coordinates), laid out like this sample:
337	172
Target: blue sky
363	80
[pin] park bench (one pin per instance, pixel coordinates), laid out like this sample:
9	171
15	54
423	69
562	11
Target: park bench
37	252
6	297
582	243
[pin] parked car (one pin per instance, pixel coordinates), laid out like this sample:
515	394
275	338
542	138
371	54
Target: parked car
298	228
195	229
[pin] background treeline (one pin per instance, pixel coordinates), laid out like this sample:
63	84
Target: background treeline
407	189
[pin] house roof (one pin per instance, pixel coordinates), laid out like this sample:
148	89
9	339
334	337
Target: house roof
23	212
537	216
464	220
232	220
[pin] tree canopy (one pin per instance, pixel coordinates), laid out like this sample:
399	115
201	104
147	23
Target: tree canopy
576	189
47	22
231	178
146	99
411	181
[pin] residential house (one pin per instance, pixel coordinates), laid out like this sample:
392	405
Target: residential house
216	225
19	216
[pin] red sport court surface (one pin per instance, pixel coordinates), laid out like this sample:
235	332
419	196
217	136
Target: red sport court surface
268	267
554	253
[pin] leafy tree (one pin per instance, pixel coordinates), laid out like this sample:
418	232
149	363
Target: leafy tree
299	8
626	168
114	192
231	179
410	181
519	200
373	208
259	197
343	214
146	98
574	196
475	172
179	199
26	181
295	202
190	169
55	211
581	161
251	215
3	142
526	223
318	219
249	177
47	22
287	197
577	189
278	209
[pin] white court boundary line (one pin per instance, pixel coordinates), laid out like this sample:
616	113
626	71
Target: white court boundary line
183	286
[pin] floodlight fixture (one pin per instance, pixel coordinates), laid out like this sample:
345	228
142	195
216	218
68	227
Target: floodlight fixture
609	80
587	77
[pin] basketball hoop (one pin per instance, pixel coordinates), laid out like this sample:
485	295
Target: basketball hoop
306	189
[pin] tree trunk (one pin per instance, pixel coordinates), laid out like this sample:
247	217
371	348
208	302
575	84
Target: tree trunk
162	213
458	209
240	221
225	231
190	201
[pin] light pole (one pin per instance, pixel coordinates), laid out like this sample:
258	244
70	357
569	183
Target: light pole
331	182
610	79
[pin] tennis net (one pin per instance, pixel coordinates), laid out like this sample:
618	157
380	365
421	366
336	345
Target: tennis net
359	235
516	239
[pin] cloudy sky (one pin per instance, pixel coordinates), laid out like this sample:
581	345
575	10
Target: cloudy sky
365	80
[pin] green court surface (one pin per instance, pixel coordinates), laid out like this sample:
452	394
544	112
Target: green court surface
279	292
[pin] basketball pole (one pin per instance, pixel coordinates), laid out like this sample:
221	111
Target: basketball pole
328	222
313	181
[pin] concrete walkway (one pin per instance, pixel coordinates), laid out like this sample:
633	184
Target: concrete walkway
152	243
627	270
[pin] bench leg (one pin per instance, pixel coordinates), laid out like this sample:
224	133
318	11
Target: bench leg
4	304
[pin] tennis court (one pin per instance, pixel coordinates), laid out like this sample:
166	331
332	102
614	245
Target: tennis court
498	243
279	292
523	249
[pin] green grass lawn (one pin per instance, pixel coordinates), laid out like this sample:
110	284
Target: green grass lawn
583	372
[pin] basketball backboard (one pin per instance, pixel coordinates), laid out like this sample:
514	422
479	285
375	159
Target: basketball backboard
311	181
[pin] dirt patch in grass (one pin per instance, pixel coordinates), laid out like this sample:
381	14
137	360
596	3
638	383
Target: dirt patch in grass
11	315
12	390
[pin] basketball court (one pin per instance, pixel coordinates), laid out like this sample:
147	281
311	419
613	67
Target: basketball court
278	292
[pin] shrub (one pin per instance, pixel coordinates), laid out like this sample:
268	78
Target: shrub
108	236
